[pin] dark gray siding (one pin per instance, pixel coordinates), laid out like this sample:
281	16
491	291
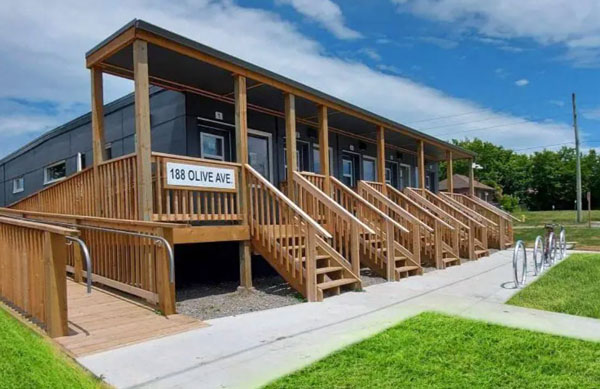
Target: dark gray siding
64	143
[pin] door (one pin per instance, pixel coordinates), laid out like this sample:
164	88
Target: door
369	168
391	173
404	176
260	153
349	168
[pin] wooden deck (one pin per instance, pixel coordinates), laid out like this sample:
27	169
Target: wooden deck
103	320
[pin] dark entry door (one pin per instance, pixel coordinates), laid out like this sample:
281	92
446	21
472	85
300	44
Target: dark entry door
350	168
391	173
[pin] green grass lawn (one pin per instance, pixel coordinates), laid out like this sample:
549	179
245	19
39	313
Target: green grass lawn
539	218
29	361
586	238
572	286
433	350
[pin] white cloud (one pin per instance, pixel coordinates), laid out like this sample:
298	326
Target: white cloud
325	12
574	24
443	43
371	53
522	82
42	58
389	68
591	113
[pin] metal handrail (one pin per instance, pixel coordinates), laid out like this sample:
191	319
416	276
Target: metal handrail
158	240
88	260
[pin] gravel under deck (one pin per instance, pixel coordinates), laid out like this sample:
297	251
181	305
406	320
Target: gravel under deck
209	301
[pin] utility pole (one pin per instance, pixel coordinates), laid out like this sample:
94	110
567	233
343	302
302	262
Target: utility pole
578	159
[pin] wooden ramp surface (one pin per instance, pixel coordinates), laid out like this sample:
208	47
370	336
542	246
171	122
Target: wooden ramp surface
103	320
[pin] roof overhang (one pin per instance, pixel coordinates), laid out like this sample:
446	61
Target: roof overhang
178	63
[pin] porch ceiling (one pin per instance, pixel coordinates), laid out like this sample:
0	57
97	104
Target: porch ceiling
178	63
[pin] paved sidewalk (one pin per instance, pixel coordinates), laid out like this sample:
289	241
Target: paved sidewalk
250	350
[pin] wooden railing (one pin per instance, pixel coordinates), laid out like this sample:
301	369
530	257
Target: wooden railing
490	221
134	264
399	234
112	193
503	223
344	227
471	231
436	235
193	204
284	234
32	271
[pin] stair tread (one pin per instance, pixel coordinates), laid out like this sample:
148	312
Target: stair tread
450	259
328	269
318	256
407	268
334	283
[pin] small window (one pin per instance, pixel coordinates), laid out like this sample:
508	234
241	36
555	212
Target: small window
81	164
108	151
213	146
369	170
317	160
55	172
388	175
18	185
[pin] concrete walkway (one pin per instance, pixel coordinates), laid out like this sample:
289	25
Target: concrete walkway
250	350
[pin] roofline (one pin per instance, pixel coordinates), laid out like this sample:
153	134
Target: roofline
139	24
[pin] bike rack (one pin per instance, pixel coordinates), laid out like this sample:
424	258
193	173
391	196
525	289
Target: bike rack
562	242
538	253
88	261
519	246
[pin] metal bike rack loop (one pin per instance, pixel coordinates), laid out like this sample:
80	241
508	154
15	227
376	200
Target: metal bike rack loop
519	246
88	260
538	255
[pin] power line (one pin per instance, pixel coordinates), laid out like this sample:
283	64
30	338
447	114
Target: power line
544	146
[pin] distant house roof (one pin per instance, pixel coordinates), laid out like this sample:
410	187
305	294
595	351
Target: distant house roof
462	182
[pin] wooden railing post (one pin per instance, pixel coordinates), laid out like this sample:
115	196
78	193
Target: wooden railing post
55	262
501	233
471	240
310	253
416	235
390	255
355	247
437	236
165	288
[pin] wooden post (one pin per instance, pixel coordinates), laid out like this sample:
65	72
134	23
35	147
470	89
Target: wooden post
142	129
471	178
390	252
502	233
290	141
471	240
311	277
164	286
449	172
439	253
416	233
381	158
98	142
421	163
324	148
55	261
355	248
241	141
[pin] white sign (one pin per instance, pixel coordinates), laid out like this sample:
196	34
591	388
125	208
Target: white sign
181	174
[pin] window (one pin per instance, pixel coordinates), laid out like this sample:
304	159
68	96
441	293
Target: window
18	185
212	146
369	170
55	172
108	151
388	175
317	160
80	161
348	172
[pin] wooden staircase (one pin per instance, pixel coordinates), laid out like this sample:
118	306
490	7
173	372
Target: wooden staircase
473	234
296	245
500	234
385	235
438	240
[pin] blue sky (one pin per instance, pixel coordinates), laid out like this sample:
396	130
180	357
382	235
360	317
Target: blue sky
451	68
